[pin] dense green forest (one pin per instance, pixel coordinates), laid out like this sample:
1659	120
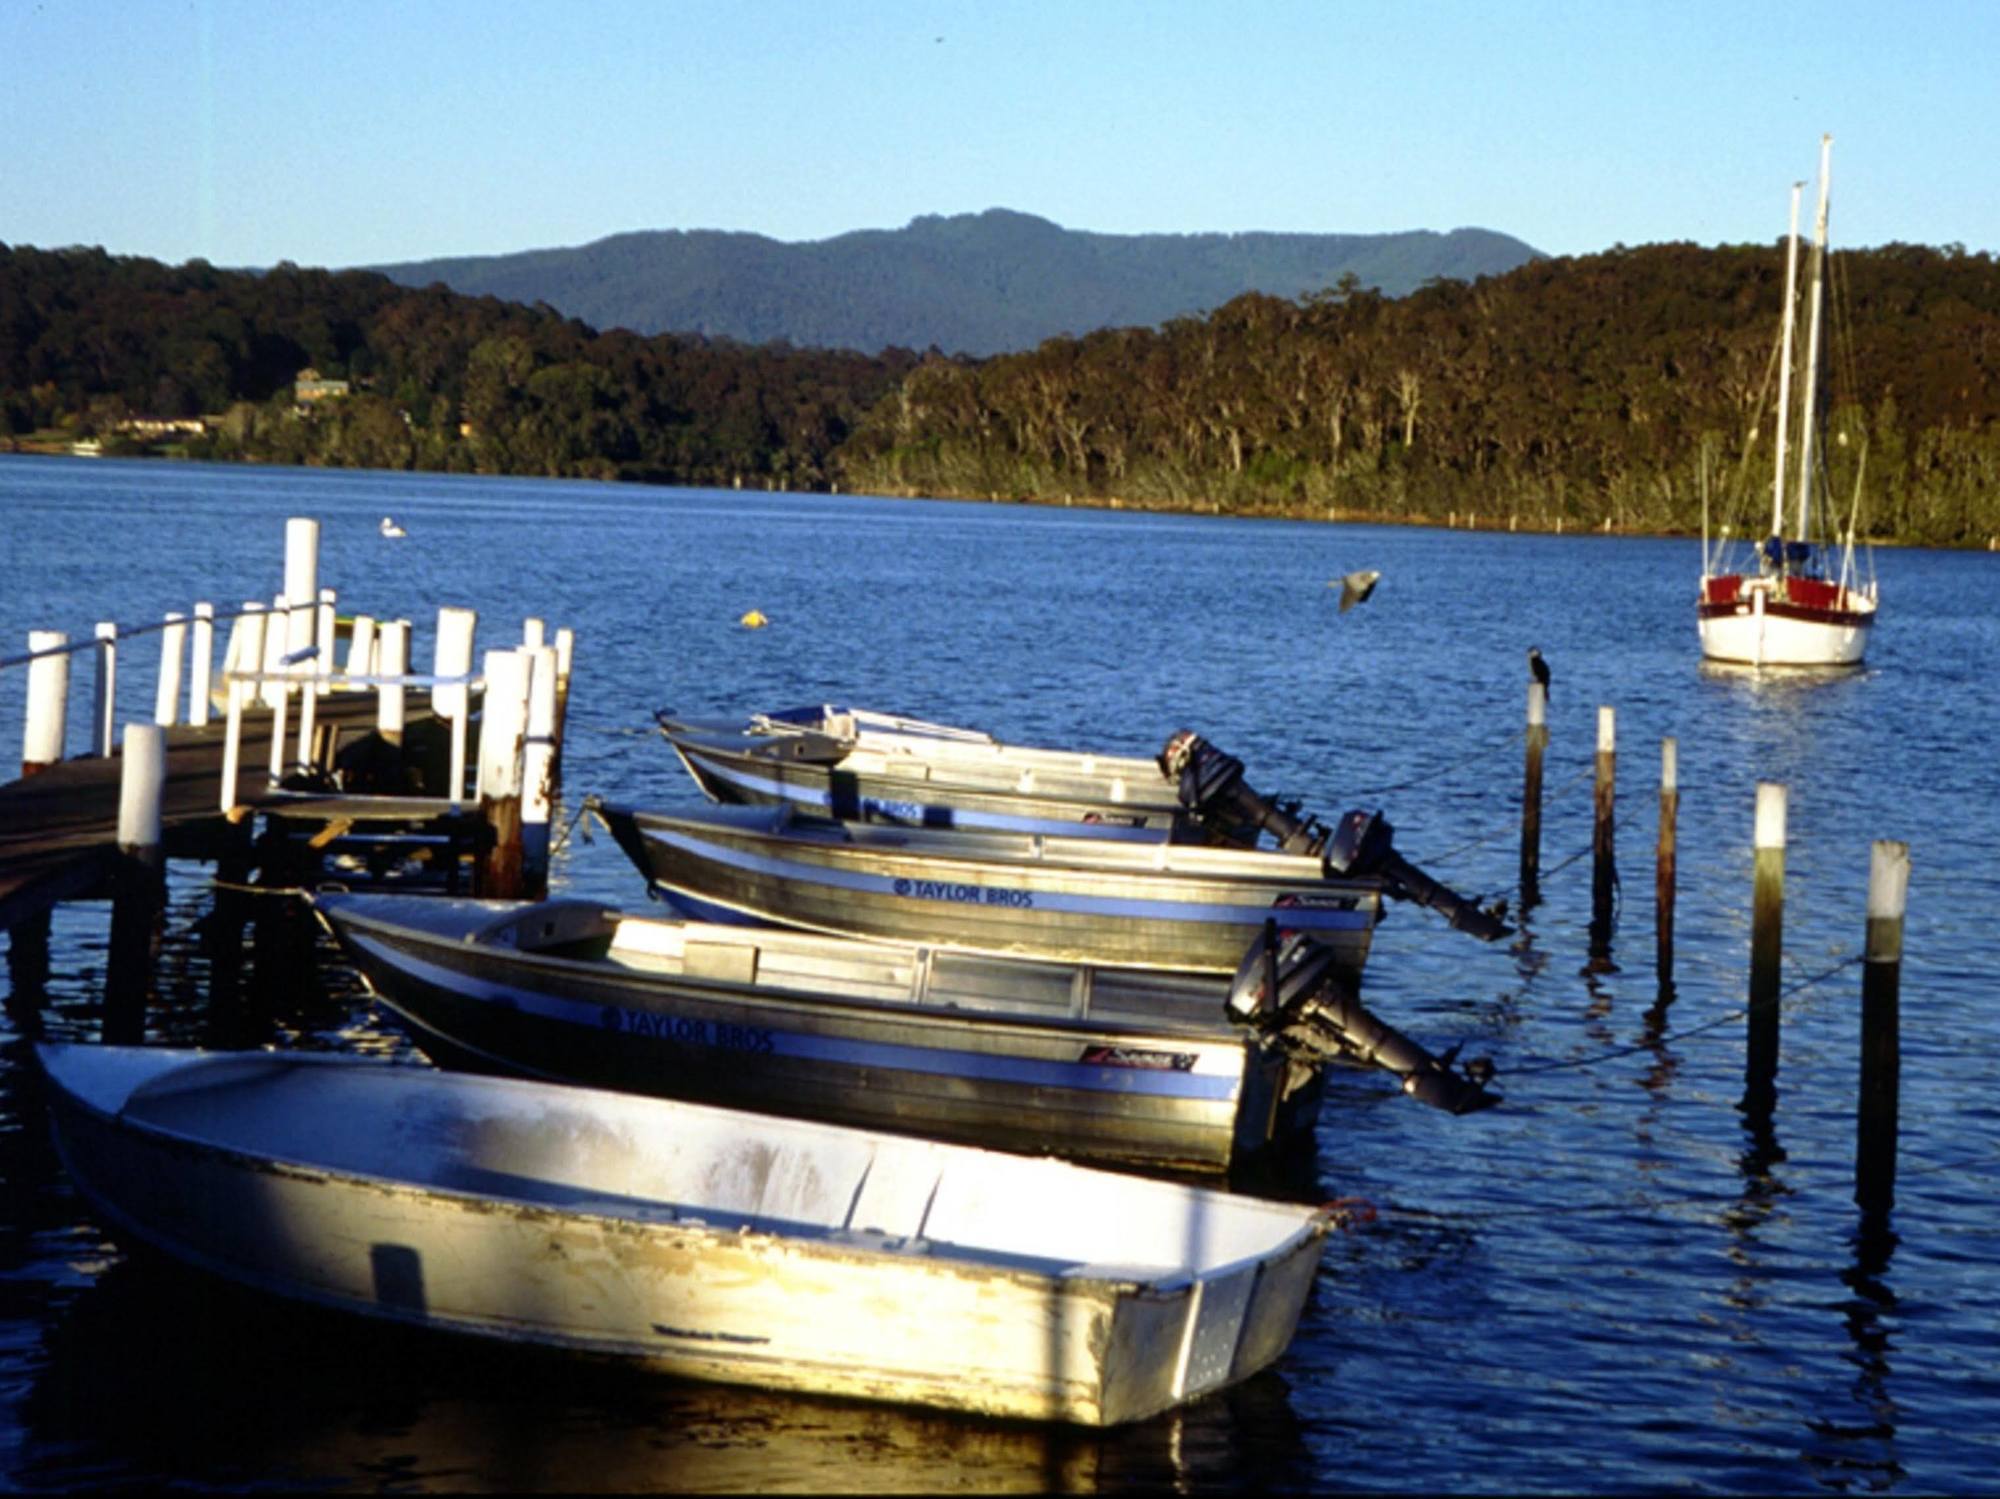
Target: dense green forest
89	342
1628	388
1624	388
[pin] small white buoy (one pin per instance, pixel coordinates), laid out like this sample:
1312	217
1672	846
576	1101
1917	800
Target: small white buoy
390	528
754	620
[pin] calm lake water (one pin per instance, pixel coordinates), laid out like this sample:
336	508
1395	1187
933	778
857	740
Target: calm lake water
1613	1282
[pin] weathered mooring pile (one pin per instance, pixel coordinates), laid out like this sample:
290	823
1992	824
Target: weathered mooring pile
1880	958
312	752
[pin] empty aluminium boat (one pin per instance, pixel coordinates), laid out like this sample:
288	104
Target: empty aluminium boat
703	1242
859	765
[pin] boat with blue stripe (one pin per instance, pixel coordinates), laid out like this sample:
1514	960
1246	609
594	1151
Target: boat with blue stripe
1182	907
1120	1066
1141	1070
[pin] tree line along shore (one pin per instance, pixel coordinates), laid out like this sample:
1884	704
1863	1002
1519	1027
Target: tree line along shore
1631	391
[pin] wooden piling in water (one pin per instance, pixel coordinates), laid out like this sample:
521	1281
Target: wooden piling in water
1767	945
138	884
1531	797
1881	1041
1603	854
1665	861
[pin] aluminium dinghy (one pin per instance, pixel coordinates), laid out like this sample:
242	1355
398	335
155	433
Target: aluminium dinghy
702	1242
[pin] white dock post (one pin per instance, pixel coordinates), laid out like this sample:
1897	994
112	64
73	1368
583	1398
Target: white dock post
233	658
538	753
201	664
277	692
232	746
565	652
452	657
301	595
246	654
361	647
533	633
103	728
272	655
138	883
142	779
503	717
325	627
301	579
308	707
565	655
48	702
167	691
393	660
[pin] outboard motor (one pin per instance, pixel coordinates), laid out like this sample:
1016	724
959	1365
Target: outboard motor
1362	845
1211	787
1291	988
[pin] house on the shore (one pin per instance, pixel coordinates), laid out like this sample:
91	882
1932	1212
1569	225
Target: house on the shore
308	388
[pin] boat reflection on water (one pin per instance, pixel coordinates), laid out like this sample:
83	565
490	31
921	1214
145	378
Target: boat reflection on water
1782	676
277	1395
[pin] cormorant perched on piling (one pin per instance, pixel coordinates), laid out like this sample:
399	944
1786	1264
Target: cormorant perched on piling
1541	670
1356	586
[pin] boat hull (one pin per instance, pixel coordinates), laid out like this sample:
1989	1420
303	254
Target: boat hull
1135	1070
1750	622
703	1243
860	766
1078	900
909	793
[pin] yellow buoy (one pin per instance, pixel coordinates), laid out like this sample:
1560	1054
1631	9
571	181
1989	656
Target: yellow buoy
754	620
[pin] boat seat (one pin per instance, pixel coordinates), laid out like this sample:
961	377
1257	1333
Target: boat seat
733	961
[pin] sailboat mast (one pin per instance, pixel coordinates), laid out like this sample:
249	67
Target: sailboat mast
1808	412
1785	366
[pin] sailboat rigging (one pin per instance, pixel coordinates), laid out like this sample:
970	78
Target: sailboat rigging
1790	611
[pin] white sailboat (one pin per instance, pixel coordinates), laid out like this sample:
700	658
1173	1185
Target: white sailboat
1794	608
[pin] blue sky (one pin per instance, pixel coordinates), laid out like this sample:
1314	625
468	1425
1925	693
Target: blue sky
359	131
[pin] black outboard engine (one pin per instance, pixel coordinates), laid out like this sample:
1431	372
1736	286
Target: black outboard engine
1211	787
1362	845
1291	988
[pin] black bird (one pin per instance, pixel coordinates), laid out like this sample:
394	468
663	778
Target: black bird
1541	670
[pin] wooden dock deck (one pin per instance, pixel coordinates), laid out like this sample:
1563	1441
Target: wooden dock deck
59	827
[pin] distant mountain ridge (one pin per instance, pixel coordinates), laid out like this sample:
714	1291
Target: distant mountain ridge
979	284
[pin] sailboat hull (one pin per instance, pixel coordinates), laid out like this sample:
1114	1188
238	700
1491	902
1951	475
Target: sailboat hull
1808	622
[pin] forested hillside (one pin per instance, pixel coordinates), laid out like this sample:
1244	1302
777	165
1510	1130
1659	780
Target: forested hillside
975	284
1619	387
93	345
1627	388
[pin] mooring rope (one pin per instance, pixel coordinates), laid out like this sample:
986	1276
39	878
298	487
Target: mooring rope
1432	775
1802	986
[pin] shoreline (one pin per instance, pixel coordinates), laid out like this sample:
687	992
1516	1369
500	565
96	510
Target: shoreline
1330	515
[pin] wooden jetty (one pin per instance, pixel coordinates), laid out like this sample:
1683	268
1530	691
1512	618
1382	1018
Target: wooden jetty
283	762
